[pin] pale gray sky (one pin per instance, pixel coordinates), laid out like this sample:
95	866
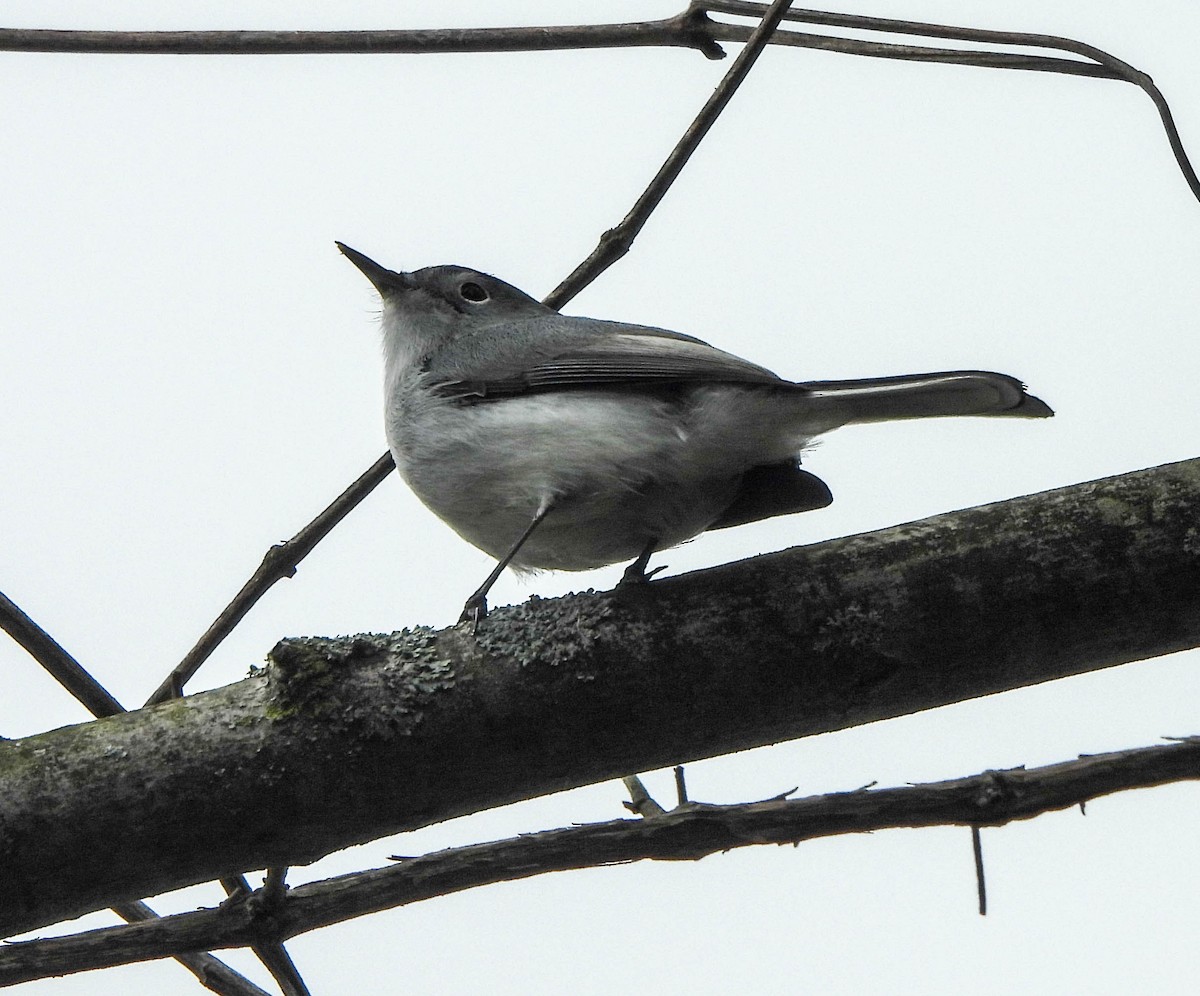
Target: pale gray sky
191	371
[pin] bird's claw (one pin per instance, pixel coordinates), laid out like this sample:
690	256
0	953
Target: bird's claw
474	611
636	574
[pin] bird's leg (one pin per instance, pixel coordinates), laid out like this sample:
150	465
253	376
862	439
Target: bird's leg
636	573
475	608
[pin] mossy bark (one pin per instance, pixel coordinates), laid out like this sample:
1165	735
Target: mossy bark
343	740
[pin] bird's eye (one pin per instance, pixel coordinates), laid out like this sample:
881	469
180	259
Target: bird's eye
473	292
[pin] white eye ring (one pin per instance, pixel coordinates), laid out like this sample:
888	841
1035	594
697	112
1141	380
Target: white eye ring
471	291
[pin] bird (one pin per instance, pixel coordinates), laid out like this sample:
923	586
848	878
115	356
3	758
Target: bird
569	443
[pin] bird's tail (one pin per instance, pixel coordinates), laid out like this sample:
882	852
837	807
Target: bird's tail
955	392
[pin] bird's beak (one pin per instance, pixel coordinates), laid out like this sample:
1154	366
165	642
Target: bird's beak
386	281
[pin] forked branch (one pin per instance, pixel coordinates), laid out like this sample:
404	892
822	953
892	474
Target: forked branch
687	833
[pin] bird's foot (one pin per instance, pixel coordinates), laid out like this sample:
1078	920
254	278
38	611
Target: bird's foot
474	611
636	574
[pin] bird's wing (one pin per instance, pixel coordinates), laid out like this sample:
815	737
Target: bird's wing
596	354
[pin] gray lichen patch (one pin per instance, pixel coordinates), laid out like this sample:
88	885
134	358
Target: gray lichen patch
379	684
302	676
850	632
550	632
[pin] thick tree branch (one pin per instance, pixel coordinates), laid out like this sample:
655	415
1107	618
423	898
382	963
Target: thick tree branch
690	832
213	974
342	741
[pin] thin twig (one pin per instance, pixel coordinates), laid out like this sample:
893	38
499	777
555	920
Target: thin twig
980	882
689	833
681	796
283	970
925	53
273	955
274	888
211	972
67	671
640	799
279	562
270	952
691	29
679	31
615	242
1103	64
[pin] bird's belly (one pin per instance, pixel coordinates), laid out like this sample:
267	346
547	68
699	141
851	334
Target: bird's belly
619	471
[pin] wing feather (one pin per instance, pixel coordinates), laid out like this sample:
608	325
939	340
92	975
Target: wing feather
618	355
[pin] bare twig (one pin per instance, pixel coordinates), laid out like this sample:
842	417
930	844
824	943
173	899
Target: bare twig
271	898
279	562
211	972
681	31
681	795
615	242
283	970
992	798
274	889
980	882
1102	64
640	800
67	671
273	955
690	29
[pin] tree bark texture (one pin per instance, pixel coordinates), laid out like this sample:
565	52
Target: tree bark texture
340	741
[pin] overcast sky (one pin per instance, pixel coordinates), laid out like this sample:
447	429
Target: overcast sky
191	371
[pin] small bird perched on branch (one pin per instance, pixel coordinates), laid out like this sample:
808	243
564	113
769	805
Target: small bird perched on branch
570	443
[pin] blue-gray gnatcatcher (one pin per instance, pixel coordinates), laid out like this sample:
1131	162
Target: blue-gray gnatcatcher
571	443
